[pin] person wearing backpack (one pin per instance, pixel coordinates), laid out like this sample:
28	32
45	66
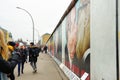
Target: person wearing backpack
33	54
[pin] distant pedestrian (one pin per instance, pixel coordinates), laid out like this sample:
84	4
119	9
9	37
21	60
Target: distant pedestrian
45	49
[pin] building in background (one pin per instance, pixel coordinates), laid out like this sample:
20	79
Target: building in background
44	39
8	35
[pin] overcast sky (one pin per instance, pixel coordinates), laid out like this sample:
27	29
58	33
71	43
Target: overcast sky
46	15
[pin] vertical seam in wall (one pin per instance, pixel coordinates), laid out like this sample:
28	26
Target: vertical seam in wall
117	42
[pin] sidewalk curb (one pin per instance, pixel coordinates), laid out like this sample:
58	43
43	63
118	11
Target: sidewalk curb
67	72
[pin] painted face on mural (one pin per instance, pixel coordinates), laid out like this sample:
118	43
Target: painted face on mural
72	34
83	39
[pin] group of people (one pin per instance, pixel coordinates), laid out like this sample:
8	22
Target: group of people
12	54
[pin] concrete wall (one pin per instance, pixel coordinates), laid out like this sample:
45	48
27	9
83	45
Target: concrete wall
103	45
103	40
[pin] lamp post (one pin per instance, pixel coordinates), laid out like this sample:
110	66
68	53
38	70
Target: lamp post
30	17
38	34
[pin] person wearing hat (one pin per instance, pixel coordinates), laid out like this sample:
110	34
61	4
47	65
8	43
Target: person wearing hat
11	52
23	53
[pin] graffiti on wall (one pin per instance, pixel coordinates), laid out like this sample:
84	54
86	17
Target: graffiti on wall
75	31
58	43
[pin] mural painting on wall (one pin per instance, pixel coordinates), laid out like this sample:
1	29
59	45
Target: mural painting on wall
75	31
58	43
83	39
48	44
65	40
77	55
51	50
71	37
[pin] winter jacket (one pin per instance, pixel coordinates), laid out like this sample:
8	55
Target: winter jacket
7	67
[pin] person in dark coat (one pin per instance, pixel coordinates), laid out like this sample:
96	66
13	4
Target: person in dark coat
12	49
45	48
23	54
8	67
33	54
7	64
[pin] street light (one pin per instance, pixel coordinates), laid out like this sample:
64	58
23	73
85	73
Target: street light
38	34
30	17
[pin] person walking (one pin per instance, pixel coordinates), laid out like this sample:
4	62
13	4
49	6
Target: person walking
23	54
45	48
7	64
33	54
12	50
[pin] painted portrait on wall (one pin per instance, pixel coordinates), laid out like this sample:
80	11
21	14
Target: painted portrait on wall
52	46
78	39
75	34
58	43
83	37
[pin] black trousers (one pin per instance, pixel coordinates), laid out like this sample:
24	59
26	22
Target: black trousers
12	76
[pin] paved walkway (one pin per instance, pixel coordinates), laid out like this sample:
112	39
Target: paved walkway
47	69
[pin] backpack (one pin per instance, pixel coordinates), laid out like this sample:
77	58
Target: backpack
35	52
